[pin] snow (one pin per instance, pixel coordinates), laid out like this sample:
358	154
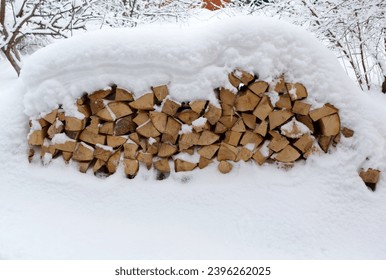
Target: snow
318	209
104	147
61	138
185	129
294	129
201	121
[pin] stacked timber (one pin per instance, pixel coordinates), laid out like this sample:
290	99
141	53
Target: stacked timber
254	121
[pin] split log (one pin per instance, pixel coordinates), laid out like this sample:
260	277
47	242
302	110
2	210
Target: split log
198	106
145	102
170	107
99	94
99	165
370	177
213	114
84	166
123	95
188	140
103	152
188	116
239	126
227	152
148	130
204	162
162	165
83	152
130	150
277	118
159	120
115	141
160	92
262	128
226	96
228	121
324	111
73	134
239	76
220	128
284	102
263	108
182	165
166	150
74	124
108	128
288	155
250	137
171	132
301	108
232	138
296	91
114	110
225	167
258	88
249	120
330	125
246	101
36	137
124	126
141	118
51	117
324	142
113	162
145	158
84	110
208	152
67	146
207	138
92	138
227	110
94	125
280	85
259	157
244	154
131	167
347	132
307	121
278	142
304	143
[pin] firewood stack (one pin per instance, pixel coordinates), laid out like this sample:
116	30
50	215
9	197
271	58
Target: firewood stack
260	123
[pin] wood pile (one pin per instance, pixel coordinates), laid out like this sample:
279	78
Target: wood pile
255	121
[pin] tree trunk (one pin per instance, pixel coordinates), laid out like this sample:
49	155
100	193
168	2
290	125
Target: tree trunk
384	85
15	64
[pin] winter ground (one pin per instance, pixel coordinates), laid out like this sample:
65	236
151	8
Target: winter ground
317	210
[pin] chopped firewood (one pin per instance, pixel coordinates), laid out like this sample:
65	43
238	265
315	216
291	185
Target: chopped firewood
48	149
263	108
130	150
123	126
166	150
131	167
123	95
73	134
188	116
84	110
301	108
188	140
160	92
108	128
278	142
162	165
324	142
227	97
259	157
51	117
145	158
280	85
99	165
370	177
262	128
227	110
227	152
207	138
148	130
225	167
182	165
42	122
114	110
330	125
31	153
92	138
81	100
66	156
336	140
232	138
284	102
113	162
55	128
220	128
296	91
61	115
198	106
288	155
99	94
145	102
244	154
213	114
250	137
347	132
67	146
172	129
94	125
170	107
324	111
115	141
307	121
246	101
84	166
249	120
208	152
96	105
201	127
159	120
241	76
228	121
141	118
258	87
74	124
239	126
135	138
277	118
314	149
204	162
103	152
153	148
294	129
304	143
83	152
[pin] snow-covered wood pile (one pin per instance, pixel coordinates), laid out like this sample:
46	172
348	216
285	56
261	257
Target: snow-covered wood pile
261	122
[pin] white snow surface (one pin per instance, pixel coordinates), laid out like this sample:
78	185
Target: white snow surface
318	209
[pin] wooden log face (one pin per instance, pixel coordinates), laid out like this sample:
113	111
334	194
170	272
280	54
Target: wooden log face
160	92
145	102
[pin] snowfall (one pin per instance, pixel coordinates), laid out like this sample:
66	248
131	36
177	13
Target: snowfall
319	209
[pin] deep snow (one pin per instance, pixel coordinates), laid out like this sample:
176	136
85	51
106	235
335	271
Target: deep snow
318	209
